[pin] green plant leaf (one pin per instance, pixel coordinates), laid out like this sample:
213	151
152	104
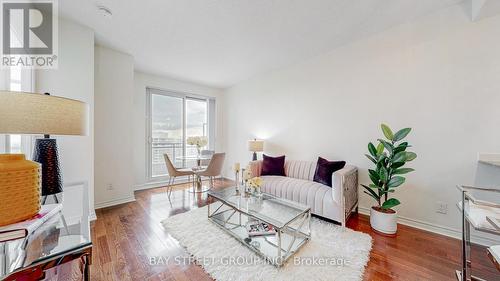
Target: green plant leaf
399	157
380	165
390	203
373	176
383	174
401	134
380	148
371	185
397	165
372	149
387	145
371	192
387	131
371	159
396	181
381	157
402	171
401	147
375	180
410	156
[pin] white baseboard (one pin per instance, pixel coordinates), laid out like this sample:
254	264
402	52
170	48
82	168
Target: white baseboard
92	216
159	184
443	230
114	202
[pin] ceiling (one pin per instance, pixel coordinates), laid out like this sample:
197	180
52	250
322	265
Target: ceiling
222	42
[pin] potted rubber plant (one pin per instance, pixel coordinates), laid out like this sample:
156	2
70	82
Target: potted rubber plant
389	157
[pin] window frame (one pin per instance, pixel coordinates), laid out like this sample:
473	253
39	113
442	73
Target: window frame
211	124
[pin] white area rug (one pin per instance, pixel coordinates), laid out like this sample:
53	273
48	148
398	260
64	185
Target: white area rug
344	251
214	249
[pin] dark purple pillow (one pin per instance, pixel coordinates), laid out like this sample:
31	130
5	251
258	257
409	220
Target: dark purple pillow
273	166
325	169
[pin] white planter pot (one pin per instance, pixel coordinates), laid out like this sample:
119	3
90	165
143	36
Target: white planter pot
386	223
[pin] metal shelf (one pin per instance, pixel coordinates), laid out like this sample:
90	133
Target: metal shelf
482	216
490	162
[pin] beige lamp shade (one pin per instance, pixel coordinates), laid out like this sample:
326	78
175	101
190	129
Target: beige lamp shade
256	145
29	113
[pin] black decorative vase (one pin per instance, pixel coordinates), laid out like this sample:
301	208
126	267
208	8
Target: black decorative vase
46	154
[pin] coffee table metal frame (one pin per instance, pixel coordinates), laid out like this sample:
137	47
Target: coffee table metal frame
300	231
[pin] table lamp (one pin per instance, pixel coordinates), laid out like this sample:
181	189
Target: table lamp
255	146
29	113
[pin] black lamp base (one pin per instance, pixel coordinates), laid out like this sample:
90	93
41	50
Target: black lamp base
254	158
46	154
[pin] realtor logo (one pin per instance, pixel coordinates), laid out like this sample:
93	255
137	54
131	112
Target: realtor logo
29	34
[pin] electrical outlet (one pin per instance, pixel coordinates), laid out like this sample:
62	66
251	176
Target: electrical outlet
110	186
441	207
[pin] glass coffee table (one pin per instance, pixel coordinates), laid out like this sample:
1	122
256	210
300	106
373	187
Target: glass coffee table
292	222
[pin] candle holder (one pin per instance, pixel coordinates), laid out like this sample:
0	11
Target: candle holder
247	190
237	176
242	176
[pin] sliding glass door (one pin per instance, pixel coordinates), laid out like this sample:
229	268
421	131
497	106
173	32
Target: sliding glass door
173	117
167	134
196	122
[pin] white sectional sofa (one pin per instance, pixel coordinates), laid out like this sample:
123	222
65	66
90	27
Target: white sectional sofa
335	203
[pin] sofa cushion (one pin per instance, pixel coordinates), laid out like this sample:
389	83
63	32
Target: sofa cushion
315	195
303	170
325	169
273	166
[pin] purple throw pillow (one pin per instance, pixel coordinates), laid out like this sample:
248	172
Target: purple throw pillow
325	169
273	166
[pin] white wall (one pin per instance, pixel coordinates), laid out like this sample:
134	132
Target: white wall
439	75
114	84
141	82
74	78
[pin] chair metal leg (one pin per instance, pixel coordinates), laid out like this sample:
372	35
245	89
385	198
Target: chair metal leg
170	186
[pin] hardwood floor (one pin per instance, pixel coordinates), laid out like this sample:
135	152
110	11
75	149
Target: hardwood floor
127	236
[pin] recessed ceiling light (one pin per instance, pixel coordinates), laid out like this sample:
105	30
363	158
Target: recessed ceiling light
105	11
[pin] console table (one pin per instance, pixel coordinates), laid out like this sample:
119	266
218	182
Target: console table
43	254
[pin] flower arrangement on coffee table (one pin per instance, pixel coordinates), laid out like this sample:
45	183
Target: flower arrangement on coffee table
256	184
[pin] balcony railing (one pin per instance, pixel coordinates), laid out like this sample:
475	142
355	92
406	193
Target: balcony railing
174	150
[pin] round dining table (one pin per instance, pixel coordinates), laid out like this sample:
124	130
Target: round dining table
198	186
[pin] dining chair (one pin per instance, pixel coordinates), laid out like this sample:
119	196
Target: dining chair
214	168
173	172
205	162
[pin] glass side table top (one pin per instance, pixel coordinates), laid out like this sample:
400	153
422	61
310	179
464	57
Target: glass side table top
53	238
277	211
